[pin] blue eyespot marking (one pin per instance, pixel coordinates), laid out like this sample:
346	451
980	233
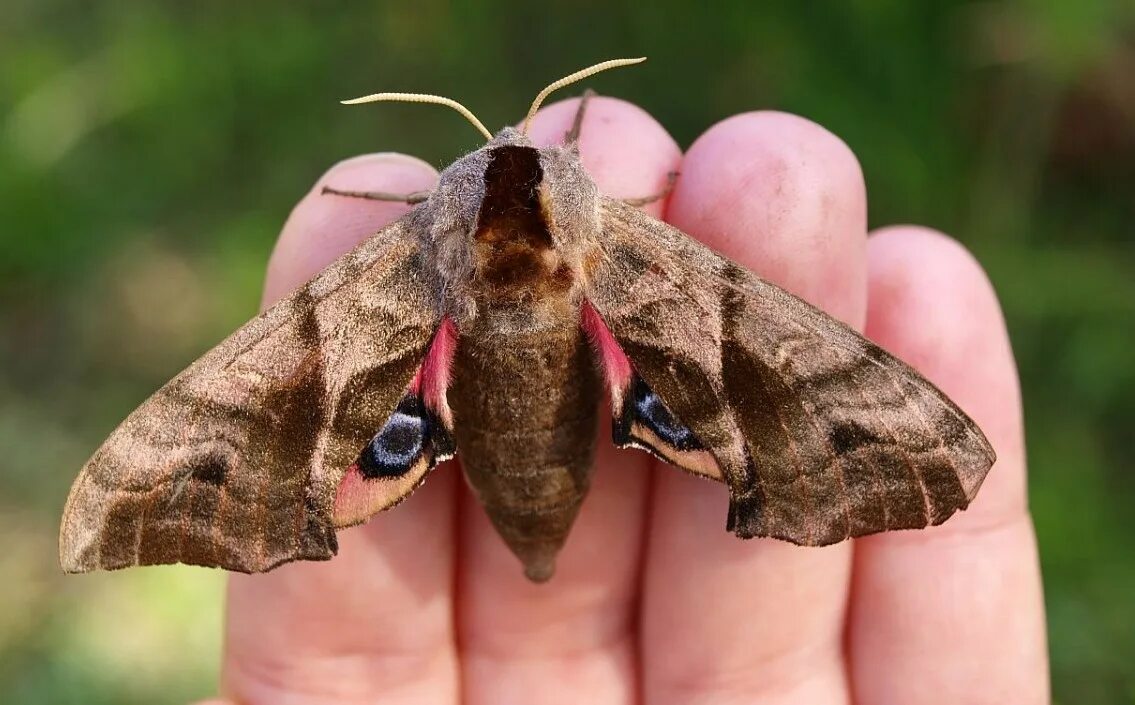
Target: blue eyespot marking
395	449
645	407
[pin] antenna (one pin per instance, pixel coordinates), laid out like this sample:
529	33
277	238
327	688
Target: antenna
570	79
423	98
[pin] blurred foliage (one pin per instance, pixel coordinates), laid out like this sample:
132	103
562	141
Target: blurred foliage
149	152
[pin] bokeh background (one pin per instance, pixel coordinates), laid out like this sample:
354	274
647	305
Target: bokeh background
150	151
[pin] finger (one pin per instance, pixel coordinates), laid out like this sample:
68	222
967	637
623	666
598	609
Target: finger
322	227
375	622
955	609
727	619
573	635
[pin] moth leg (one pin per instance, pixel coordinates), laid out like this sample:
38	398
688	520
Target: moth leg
572	136
671	179
408	198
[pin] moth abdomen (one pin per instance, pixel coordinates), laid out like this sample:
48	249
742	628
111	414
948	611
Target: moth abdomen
525	410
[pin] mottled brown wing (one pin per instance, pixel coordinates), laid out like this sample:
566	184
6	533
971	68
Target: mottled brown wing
235	462
819	434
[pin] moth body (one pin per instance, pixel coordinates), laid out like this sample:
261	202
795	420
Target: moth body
513	231
524	407
524	391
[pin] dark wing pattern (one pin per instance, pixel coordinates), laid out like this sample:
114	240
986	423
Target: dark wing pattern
820	434
236	461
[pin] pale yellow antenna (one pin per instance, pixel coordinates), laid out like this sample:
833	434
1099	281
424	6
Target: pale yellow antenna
423	98
577	76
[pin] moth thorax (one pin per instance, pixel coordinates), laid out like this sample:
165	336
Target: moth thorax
517	260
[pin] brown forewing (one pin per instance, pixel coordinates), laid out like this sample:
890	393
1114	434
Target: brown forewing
820	434
235	462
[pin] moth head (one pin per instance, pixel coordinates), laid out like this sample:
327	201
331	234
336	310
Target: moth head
510	222
510	226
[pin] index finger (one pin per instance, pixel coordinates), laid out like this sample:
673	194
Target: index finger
578	630
316	632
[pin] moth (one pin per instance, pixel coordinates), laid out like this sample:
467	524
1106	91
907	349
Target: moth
488	323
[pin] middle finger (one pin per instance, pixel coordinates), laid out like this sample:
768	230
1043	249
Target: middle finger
572	639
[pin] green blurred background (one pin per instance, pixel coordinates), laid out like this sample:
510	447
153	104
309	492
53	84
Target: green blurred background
149	152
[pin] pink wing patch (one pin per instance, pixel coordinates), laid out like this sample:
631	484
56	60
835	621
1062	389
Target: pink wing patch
432	379
641	419
357	498
616	366
416	437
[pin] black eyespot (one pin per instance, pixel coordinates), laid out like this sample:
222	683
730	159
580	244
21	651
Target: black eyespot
210	469
848	436
395	449
648	408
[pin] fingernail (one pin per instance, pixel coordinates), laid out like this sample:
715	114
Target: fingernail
368	162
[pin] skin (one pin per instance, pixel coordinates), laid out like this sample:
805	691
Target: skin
652	600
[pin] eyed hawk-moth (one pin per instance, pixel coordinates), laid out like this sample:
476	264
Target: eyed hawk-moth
488	322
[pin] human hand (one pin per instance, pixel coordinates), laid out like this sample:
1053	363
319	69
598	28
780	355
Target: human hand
652	600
